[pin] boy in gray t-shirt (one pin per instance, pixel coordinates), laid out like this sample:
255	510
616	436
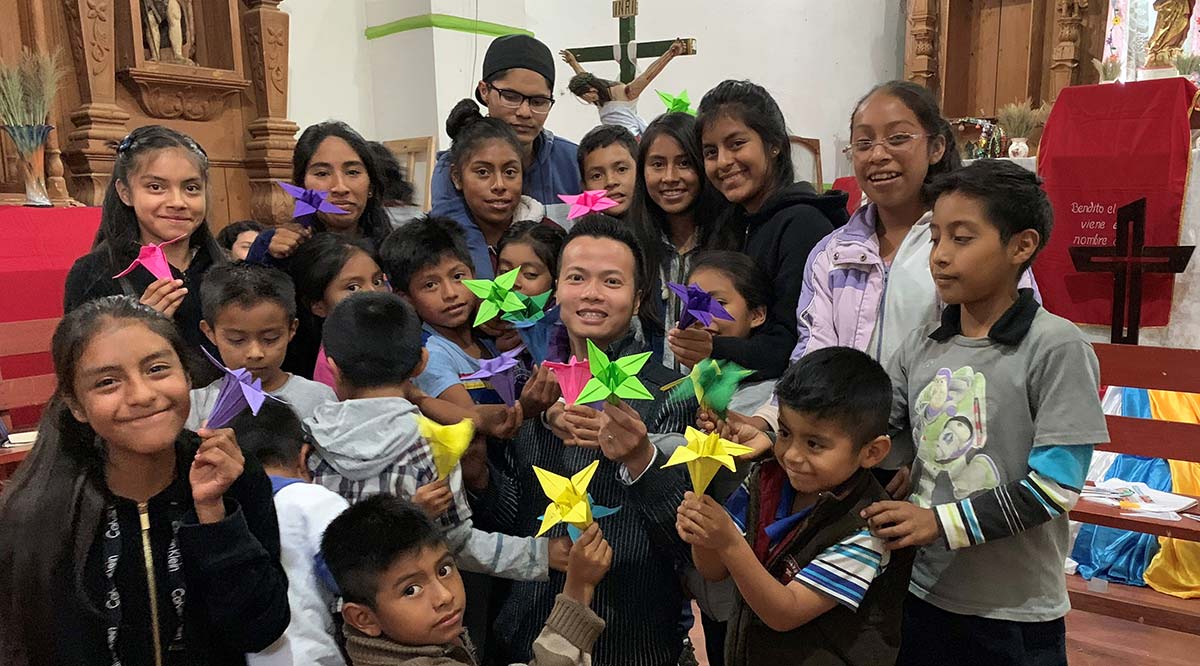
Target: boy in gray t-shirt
250	315
1002	400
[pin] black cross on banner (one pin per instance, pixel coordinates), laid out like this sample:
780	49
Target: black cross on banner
1128	260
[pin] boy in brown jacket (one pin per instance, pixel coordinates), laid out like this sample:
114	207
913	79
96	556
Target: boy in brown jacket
403	597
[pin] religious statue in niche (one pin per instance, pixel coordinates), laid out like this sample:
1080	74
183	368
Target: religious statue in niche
1171	26
170	23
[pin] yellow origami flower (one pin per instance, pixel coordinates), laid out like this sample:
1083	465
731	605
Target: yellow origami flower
569	500
447	442
704	454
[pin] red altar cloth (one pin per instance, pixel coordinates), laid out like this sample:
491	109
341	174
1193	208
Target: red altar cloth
1105	146
37	248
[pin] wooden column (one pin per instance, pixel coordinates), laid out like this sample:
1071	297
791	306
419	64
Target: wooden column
272	135
920	58
1064	66
99	121
56	185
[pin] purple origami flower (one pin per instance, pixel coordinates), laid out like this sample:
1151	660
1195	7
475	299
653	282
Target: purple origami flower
309	201
698	305
239	389
499	371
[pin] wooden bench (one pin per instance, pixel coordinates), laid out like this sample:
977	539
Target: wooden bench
19	338
1150	368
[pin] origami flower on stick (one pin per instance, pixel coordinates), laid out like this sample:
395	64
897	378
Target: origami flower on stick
239	389
712	382
676	103
570	502
614	380
592	201
698	306
499	370
151	257
704	454
447	442
309	201
572	377
498	296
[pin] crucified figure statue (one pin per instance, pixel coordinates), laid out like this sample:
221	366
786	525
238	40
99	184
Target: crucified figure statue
176	17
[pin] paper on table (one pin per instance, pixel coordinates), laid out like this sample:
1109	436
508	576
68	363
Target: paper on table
1136	496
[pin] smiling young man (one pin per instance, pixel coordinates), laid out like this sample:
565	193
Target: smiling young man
517	87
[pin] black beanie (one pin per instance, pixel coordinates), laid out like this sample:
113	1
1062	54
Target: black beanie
517	52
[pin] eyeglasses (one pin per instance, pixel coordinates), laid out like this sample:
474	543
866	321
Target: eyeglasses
895	142
512	99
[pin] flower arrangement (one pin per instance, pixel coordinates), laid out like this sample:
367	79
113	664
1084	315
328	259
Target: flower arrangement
1109	68
27	91
1020	119
1187	64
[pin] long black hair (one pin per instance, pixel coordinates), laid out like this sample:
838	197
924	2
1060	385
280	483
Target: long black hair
317	263
924	106
119	235
645	216
373	223
51	508
752	105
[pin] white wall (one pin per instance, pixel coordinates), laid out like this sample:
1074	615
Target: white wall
816	56
329	73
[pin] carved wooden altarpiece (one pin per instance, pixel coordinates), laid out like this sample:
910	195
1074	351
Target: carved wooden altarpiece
233	102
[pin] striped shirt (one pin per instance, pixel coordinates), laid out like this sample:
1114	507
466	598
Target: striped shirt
845	570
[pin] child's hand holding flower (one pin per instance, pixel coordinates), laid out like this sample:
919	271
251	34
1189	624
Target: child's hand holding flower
218	463
704	523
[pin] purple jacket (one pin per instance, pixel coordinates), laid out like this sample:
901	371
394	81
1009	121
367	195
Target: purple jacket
847	289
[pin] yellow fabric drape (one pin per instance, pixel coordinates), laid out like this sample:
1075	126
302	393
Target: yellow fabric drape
1175	570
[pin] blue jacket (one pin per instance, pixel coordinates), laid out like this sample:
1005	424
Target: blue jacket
555	171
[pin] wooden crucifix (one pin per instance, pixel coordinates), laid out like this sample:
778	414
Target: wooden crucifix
627	50
1129	260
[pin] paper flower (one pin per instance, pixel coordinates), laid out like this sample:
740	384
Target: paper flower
499	371
309	201
592	201
239	389
572	377
712	382
151	257
448	443
614	380
532	310
570	502
698	305
538	334
498	296
676	103
704	454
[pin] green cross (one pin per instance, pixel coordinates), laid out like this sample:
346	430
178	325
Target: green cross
627	34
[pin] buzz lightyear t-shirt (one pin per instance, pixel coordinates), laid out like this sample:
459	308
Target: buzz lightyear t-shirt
1003	428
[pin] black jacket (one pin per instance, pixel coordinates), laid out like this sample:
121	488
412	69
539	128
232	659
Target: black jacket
91	277
838	637
779	237
236	589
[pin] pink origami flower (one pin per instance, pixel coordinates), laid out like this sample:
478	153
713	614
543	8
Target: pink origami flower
592	201
152	258
572	377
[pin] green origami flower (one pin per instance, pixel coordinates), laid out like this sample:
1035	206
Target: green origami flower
676	103
498	296
614	380
533	308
